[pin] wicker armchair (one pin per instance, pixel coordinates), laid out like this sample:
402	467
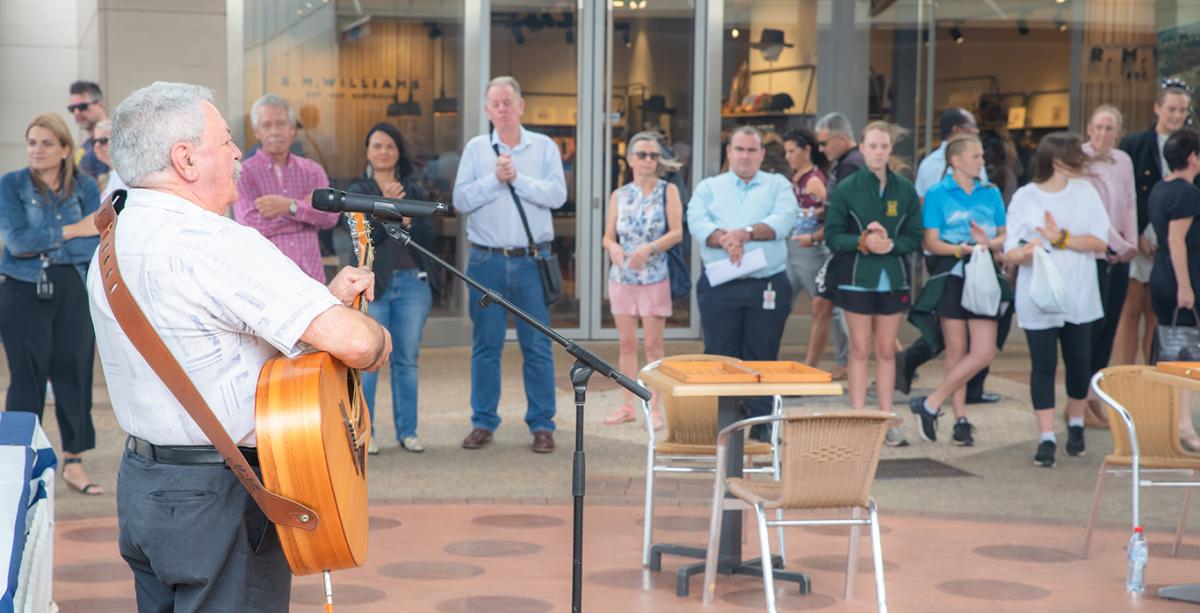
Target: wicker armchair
691	442
1149	442
829	462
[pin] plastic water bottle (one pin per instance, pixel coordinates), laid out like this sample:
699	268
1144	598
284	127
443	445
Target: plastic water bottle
1136	582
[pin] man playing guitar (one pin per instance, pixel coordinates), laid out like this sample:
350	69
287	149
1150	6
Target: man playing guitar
224	300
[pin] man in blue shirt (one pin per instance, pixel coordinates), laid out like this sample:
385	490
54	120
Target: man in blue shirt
732	214
952	122
86	106
500	258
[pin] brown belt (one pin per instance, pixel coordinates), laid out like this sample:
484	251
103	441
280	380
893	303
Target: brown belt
186	454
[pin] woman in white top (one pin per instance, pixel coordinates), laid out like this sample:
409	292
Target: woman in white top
1061	214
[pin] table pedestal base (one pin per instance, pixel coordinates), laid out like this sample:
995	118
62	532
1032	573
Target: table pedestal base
1186	593
725	566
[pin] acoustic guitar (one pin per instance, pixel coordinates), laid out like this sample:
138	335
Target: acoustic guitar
313	432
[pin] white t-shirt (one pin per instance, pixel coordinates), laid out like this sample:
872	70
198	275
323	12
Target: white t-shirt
224	300
1079	210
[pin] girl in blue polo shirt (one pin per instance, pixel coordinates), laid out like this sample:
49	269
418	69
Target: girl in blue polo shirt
959	213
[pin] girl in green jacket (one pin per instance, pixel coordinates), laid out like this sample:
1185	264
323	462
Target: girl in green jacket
873	222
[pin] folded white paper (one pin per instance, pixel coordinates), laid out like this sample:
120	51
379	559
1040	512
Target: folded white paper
724	270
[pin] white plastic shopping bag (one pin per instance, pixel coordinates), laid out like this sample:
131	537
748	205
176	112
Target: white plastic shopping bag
981	288
1047	290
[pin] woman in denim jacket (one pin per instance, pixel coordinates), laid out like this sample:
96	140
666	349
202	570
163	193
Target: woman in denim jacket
47	225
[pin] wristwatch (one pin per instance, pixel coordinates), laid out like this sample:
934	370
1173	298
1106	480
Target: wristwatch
749	230
293	208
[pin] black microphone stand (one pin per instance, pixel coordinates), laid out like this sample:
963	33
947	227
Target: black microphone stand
586	364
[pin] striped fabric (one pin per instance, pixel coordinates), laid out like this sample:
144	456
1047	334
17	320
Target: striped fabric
27	468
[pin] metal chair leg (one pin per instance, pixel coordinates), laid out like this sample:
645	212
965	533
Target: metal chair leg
1187	502
852	556
767	570
648	522
714	543
877	558
1091	524
779	535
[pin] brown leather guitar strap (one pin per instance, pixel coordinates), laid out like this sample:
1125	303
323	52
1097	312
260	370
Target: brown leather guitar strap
133	321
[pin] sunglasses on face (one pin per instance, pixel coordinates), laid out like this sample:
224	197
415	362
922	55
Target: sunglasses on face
646	155
80	107
103	140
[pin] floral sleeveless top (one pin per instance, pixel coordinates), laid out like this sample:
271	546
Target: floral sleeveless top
640	220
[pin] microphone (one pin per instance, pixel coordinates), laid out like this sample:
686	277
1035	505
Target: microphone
337	201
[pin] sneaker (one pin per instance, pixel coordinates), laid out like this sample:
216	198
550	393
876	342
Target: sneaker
372	448
962	433
1075	446
928	422
895	438
1045	454
411	443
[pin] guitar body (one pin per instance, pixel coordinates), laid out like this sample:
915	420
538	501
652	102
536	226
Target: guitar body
313	432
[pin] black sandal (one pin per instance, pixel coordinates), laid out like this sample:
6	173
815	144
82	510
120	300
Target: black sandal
89	489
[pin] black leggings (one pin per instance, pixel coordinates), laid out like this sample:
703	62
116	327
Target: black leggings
51	339
1076	342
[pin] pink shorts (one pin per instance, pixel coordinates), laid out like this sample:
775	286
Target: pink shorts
640	300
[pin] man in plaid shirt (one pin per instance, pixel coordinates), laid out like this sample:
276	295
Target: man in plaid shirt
275	191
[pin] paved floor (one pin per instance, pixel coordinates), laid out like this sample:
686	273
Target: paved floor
981	540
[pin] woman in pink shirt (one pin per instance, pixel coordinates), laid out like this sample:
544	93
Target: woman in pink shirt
1111	173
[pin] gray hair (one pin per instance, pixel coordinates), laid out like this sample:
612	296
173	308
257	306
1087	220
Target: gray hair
274	100
836	123
103	125
665	164
504	80
152	120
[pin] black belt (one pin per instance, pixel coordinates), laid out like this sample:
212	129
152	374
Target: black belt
185	454
512	252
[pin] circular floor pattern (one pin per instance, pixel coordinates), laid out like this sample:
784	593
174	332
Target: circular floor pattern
678	523
518	520
988	589
863	533
431	570
343	593
789	600
634	579
1026	553
92	534
91	605
492	549
96	571
494	604
837	564
382	523
1187	551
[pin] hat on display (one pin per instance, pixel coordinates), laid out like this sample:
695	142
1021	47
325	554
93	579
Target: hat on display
656	104
781	102
771	42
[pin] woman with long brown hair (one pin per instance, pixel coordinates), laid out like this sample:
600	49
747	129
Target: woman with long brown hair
47	224
1061	214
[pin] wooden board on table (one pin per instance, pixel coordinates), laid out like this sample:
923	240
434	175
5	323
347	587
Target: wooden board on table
708	372
787	371
1182	369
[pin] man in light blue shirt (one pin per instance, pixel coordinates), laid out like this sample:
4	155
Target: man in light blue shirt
500	258
952	122
730	215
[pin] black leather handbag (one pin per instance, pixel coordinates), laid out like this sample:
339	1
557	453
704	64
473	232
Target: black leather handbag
1175	343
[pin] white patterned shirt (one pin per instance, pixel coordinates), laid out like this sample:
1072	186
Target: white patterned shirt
224	300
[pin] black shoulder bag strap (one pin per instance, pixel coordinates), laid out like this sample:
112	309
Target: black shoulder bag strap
520	209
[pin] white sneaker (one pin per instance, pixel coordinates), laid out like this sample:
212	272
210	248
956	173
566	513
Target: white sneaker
412	443
372	448
895	438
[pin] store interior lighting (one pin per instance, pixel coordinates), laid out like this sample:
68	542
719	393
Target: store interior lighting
1022	27
1060	23
956	34
735	32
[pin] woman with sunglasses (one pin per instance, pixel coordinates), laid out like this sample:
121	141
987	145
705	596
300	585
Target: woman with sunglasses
47	213
644	220
110	182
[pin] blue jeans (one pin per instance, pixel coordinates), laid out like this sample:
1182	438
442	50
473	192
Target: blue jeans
517	279
402	309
